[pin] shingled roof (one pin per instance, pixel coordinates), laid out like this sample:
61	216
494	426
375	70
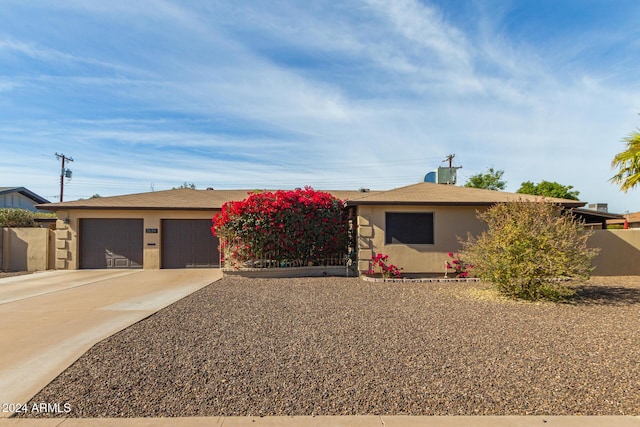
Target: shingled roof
177	199
423	193
426	193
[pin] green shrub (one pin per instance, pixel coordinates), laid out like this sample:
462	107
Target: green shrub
10	217
44	215
530	250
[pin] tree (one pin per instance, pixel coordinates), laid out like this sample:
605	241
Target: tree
529	249
628	163
491	180
185	184
95	196
549	189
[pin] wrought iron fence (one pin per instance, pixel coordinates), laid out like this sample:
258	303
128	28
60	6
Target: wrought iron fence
269	260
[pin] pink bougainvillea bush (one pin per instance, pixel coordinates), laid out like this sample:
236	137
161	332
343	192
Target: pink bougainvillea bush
379	264
459	267
302	225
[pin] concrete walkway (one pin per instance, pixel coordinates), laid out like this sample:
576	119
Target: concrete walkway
49	319
335	421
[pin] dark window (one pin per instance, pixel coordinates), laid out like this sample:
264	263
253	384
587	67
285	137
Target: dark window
409	228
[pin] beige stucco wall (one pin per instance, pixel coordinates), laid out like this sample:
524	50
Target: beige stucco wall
619	249
25	249
619	252
67	243
619	255
449	224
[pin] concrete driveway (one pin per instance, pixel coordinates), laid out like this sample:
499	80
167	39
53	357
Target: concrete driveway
49	319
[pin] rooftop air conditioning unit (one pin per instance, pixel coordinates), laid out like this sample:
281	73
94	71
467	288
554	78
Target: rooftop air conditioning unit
443	175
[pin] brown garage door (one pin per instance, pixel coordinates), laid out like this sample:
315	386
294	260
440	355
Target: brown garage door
188	243
111	243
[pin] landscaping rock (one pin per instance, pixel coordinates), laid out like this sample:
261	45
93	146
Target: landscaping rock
340	346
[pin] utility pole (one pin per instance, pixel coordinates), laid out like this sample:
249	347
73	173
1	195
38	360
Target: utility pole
450	158
452	176
63	172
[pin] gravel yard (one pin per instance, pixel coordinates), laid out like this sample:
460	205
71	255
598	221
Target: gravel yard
340	346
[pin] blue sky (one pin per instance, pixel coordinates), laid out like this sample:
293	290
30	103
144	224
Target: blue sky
337	95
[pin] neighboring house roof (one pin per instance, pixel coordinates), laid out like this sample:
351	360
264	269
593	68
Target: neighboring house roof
633	217
426	193
599	215
27	193
178	199
592	217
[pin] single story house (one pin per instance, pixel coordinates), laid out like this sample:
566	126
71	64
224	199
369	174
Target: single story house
416	225
20	198
632	220
161	229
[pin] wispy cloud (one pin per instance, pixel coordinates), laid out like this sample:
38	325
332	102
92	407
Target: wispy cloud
423	26
334	94
54	56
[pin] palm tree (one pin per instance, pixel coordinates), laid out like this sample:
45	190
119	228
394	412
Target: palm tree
628	163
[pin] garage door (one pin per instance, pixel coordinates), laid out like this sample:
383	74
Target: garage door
188	243
111	243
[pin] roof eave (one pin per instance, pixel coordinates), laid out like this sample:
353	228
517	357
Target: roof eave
443	203
27	193
128	208
606	215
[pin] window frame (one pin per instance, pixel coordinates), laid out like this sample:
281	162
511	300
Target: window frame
388	238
